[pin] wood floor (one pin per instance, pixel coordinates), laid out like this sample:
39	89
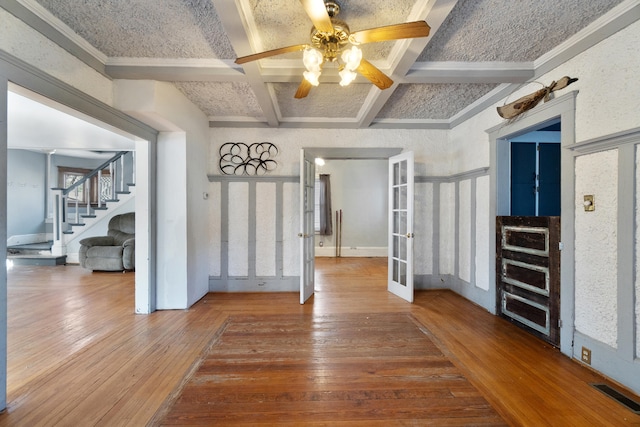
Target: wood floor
79	356
373	369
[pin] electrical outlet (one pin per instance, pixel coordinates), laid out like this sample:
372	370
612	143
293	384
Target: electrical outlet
586	355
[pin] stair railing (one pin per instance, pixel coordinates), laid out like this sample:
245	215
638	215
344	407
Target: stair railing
65	203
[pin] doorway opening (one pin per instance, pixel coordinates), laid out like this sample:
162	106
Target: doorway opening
33	136
359	193
359	184
528	238
535	172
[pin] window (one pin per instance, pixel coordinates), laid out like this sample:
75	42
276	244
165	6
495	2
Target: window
316	217
323	223
69	176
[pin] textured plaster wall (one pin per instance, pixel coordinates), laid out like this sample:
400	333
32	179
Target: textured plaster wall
214	228
464	231
423	228
238	229
265	229
430	146
608	85
21	41
607	102
291	226
596	247
447	228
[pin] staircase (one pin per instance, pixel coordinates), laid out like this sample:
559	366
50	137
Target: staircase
113	184
34	254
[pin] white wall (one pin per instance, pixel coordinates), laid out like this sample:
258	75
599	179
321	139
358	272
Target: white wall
25	195
360	189
596	247
182	208
606	104
637	252
429	147
423	228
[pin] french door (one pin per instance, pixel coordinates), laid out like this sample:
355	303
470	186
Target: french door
306	234
401	188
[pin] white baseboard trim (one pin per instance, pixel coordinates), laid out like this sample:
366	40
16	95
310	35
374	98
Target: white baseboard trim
73	258
26	239
330	251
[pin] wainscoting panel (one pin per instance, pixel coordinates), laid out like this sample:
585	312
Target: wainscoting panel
255	247
237	225
215	229
291	227
423	228
452	247
447	227
254	235
463	261
266	228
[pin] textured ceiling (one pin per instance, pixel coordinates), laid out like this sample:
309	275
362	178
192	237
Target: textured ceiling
476	48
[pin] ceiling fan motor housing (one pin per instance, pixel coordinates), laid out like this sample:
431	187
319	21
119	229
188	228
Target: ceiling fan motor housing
331	43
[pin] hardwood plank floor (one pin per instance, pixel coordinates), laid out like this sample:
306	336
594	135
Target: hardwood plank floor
78	355
300	369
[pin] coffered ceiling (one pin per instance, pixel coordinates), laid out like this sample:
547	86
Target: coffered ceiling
478	51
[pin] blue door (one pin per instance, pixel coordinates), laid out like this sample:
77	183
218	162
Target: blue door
535	176
549	179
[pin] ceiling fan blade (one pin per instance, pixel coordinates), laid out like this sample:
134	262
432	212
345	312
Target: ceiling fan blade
374	75
268	53
405	30
318	14
303	89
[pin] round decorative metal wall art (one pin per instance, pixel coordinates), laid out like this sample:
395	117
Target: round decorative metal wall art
238	158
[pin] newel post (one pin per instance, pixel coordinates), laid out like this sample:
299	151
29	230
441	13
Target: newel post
59	247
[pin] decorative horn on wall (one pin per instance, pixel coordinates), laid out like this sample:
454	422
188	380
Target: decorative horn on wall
527	102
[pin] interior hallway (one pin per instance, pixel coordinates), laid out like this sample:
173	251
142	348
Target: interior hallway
78	355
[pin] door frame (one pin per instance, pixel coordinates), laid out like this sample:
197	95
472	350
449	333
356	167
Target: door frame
346	153
14	70
562	109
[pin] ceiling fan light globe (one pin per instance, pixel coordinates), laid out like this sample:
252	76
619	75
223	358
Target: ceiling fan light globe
352	57
312	59
346	77
312	77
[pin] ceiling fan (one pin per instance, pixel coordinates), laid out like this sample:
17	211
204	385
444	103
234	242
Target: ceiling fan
330	40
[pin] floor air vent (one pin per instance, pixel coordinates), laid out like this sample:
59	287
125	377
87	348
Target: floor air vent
619	397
